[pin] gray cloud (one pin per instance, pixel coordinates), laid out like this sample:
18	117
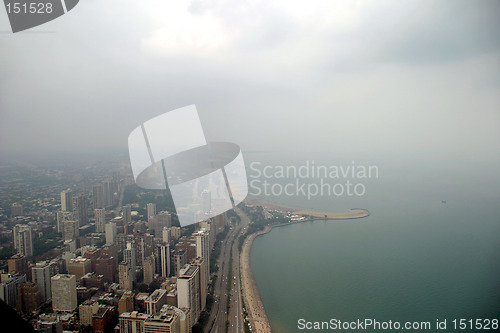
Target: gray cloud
383	77
444	31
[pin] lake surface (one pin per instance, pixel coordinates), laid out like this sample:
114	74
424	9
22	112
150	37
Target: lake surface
414	259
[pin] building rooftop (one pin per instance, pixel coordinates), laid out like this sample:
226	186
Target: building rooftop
170	308
156	295
62	277
79	260
163	317
101	312
141	296
88	302
135	315
187	271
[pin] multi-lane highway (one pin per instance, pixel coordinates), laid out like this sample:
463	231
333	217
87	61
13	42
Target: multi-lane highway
220	316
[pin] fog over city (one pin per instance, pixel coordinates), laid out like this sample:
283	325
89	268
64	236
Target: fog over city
412	78
327	162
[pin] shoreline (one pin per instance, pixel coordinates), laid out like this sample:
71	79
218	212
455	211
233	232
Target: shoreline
352	214
267	205
251	294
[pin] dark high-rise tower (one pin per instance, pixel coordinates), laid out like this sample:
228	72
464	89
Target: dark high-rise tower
80	209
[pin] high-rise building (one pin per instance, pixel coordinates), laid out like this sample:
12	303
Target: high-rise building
170	319
202	243
132	322
209	226
67	200
189	245
23	240
49	324
79	267
127	214
143	244
188	291
130	257
110	230
66	256
28	298
206	198
150	211
16	209
92	254
110	188
59	264
180	260
100	219
172	296
149	269
155	301
145	247
101	319
125	276
159	221
175	232
167	321
107	266
70	230
202	266
98	196
41	274
86	310
165	260
80	209
140	227
92	280
19	264
61	217
110	250
8	288
63	292
203	249
166	237
126	303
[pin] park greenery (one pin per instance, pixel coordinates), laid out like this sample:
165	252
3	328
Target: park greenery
259	221
133	194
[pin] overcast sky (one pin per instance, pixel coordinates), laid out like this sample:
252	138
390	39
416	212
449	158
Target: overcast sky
385	77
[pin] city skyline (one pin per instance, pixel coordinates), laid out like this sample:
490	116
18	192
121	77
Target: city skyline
123	248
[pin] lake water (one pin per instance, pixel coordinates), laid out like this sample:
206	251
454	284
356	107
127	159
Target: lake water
414	259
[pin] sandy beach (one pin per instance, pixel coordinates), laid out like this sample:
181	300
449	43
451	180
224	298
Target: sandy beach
355	213
251	295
